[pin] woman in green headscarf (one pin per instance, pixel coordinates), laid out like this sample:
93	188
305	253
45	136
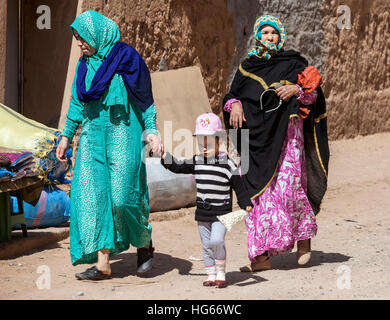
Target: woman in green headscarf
277	97
113	103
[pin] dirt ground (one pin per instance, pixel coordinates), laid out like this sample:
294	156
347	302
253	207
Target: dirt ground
350	257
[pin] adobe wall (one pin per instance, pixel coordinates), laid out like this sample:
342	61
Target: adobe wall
178	34
357	68
216	35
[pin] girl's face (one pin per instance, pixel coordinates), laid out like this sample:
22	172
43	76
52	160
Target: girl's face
208	145
84	46
270	34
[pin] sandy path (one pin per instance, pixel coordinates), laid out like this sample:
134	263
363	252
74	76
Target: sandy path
352	243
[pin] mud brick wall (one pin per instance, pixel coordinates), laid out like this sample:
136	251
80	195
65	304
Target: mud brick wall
217	34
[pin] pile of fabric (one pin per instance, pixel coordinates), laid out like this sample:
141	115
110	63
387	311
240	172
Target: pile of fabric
28	162
28	149
16	165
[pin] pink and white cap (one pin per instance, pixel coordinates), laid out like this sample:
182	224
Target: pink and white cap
207	124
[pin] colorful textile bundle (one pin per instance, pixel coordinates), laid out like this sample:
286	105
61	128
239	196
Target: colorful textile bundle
33	148
4	161
19	165
5	175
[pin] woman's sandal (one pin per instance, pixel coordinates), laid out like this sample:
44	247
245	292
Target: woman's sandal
257	266
92	274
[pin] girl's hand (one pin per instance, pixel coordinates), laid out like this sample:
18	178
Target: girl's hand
236	115
162	154
62	148
287	91
248	208
154	143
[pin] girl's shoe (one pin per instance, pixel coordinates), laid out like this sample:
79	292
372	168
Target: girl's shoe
145	258
220	280
257	266
92	274
209	283
221	283
211	272
303	251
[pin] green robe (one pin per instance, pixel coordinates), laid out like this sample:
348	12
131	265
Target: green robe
109	192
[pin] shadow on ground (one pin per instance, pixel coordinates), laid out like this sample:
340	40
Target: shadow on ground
125	264
289	262
284	262
36	241
239	278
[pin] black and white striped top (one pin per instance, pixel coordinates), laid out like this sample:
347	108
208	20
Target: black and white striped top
215	179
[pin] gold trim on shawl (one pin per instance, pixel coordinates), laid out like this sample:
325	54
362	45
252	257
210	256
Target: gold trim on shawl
322	116
261	80
294	115
253	76
317	120
266	186
318	153
283	82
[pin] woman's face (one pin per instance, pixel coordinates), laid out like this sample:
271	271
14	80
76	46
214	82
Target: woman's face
84	46
270	34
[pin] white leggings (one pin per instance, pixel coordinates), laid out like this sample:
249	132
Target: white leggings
212	235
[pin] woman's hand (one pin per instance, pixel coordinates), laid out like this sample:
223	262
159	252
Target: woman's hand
248	208
287	91
154	143
236	115
62	148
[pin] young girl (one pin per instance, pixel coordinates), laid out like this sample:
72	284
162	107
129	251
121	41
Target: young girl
215	176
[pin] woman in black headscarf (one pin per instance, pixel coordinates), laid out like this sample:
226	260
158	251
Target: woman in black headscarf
277	97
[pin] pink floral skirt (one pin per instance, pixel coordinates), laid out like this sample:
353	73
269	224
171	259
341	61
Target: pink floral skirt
282	213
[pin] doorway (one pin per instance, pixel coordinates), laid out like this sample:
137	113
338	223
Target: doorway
37	57
46	53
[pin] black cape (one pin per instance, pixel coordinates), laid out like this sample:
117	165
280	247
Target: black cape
267	130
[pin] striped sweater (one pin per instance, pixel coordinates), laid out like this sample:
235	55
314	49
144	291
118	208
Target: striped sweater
215	179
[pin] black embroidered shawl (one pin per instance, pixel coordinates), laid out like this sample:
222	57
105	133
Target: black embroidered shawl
267	130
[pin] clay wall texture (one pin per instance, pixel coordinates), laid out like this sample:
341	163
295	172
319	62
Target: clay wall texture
178	33
357	68
216	35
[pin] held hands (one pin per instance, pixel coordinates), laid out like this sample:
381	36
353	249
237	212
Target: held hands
287	91
236	116
62	148
154	143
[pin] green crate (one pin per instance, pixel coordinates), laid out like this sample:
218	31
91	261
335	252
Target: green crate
8	220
